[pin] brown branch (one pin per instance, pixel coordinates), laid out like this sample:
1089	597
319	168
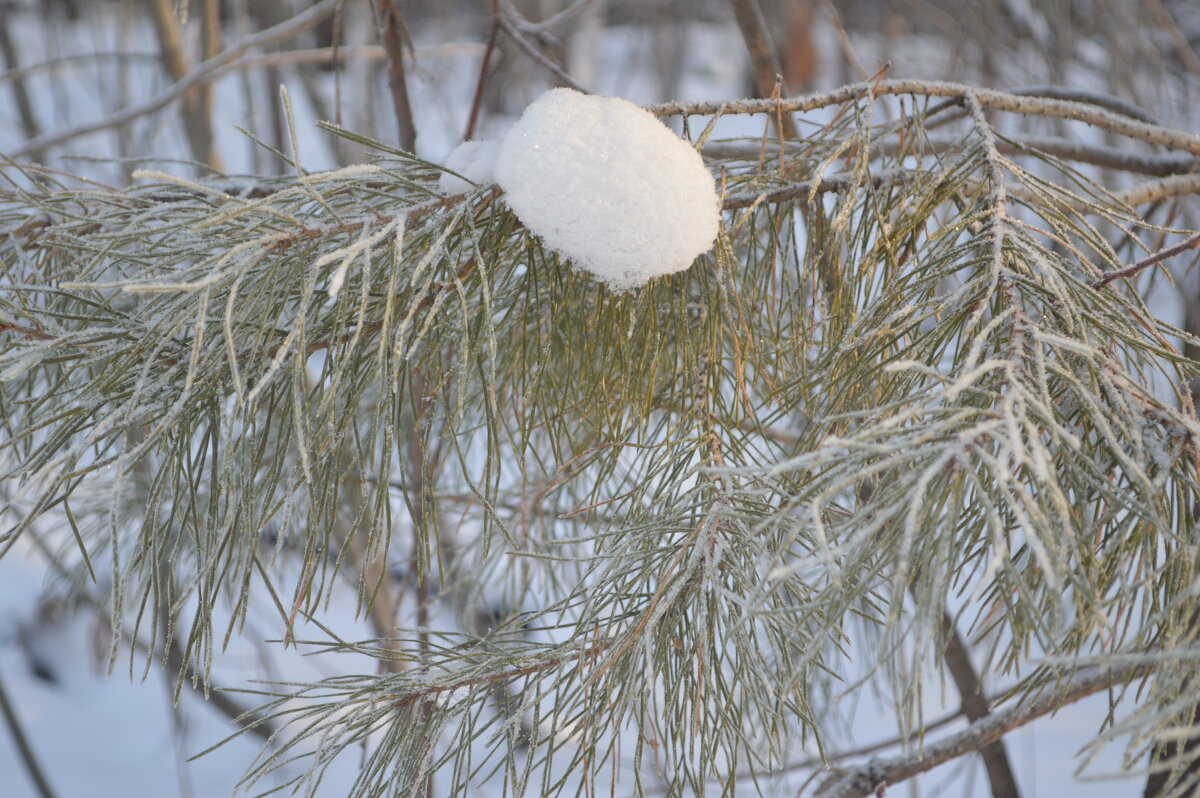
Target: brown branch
764	61
182	671
211	44
844	43
1146	263
510	28
866	779
477	100
29	123
976	707
197	123
203	72
1157	190
393	34
29	332
28	759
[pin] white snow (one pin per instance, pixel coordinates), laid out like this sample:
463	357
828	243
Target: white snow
606	184
474	160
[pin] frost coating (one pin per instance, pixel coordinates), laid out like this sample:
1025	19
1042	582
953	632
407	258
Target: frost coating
609	186
474	160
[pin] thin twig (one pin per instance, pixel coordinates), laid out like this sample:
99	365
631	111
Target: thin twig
1180	42
510	28
203	72
847	46
1095	154
36	774
764	61
1115	104
862	781
19	72
477	100
196	123
802	189
392	34
988	98
29	123
1146	263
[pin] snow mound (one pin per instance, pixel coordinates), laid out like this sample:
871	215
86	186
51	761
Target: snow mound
606	184
474	160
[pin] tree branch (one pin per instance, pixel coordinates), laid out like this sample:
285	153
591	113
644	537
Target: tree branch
392	34
197	122
864	780
510	28
763	59
975	706
1146	263
988	98
1108	101
203	72
29	123
36	774
1097	155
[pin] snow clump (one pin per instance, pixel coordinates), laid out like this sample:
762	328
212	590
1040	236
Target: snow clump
606	184
474	160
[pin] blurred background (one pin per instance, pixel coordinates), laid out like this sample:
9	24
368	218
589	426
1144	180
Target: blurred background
101	80
99	88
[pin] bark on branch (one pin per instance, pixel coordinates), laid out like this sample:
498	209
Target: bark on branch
988	98
866	779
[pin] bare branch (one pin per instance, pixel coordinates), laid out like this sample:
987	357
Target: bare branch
836	182
392	33
19	72
1156	190
988	98
847	46
197	122
1108	101
1098	155
203	72
1146	263
976	707
481	82
863	781
763	58
511	28
36	774
29	123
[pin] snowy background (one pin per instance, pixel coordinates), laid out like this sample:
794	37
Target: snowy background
101	735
